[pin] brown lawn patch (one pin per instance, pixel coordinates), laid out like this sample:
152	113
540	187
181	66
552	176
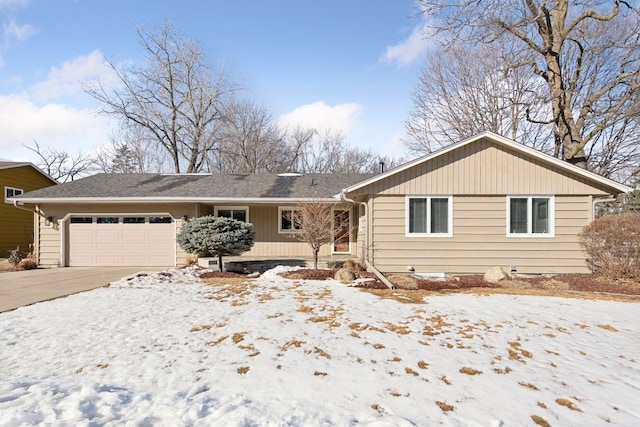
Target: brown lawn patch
445	406
540	421
423	365
243	370
470	371
321	352
608	328
445	380
201	328
292	343
238	337
528	385
411	372
567	403
320	374
102	365
218	341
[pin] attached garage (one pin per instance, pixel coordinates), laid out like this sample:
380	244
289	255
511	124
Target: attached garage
115	240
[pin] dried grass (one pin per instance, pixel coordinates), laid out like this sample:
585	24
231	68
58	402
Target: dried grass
470	371
540	421
445	406
567	403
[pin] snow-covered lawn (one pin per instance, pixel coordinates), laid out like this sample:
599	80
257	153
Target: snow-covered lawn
166	349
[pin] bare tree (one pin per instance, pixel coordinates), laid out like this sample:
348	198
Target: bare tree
130	151
465	90
60	165
317	224
250	142
172	97
587	53
328	152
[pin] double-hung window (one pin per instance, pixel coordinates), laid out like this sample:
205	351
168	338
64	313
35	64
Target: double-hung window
239	213
11	192
530	216
429	216
289	220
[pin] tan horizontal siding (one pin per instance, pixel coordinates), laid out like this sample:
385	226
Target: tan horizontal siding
479	241
268	243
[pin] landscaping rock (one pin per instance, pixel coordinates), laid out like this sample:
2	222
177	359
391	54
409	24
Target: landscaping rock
401	281
345	275
496	274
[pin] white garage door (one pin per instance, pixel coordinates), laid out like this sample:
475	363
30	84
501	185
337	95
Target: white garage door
121	241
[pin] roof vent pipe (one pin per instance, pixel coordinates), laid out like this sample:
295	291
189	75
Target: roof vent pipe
381	167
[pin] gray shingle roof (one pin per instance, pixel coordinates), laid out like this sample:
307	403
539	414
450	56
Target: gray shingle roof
198	186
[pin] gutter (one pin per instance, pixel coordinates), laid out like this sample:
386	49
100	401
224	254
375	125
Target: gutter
598	201
110	200
32	210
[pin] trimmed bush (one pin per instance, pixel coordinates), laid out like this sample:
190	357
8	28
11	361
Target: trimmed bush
612	243
216	236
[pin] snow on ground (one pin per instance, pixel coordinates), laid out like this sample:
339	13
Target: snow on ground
166	349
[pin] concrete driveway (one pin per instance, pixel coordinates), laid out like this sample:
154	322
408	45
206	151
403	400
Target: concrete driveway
20	288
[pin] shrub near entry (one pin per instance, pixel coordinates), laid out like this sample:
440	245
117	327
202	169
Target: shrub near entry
612	243
216	236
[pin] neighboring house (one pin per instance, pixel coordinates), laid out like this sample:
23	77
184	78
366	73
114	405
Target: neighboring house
17	225
483	202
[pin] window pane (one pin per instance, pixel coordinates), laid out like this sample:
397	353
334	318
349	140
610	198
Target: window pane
108	220
540	215
439	215
224	212
133	220
417	215
518	216
81	220
239	215
159	220
290	220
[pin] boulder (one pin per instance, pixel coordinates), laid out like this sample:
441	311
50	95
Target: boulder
497	274
401	281
345	275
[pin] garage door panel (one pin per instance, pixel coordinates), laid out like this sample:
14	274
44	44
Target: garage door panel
134	232
159	234
133	244
108	233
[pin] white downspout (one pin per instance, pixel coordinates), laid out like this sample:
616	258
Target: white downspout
597	201
344	198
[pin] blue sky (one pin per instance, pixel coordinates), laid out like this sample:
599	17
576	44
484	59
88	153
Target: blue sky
345	64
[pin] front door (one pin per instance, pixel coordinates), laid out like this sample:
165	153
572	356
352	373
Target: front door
341	231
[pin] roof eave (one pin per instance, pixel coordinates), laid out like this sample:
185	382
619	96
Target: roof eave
145	200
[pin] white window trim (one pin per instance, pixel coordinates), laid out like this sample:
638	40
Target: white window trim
428	234
232	208
529	234
350	230
6	199
286	208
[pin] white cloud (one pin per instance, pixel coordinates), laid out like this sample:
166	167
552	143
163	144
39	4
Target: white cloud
320	116
6	4
69	77
14	32
56	125
405	52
